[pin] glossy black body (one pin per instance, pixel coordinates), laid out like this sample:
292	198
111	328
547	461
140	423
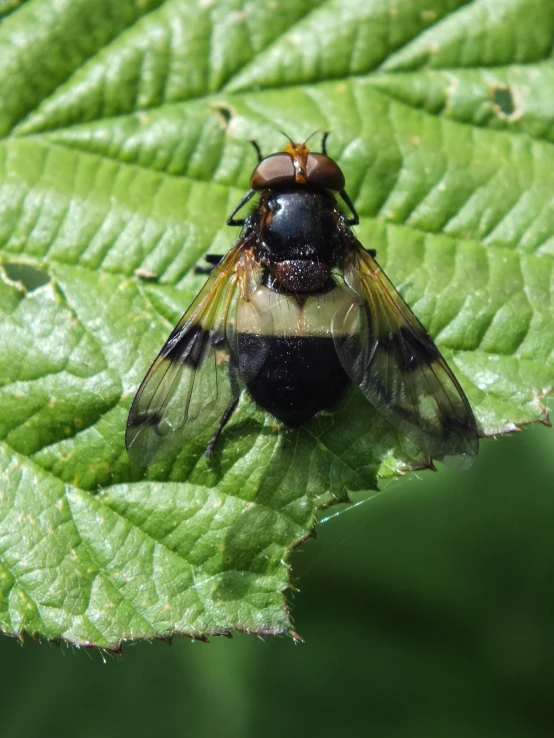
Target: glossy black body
301	375
300	223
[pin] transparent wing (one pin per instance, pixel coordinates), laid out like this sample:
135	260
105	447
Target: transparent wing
196	375
386	351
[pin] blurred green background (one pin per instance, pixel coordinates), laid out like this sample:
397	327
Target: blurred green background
426	611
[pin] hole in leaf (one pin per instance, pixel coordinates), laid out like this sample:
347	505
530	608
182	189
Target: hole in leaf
503	98
225	111
30	277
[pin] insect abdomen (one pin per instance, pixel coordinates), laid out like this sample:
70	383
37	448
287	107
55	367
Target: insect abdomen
300	376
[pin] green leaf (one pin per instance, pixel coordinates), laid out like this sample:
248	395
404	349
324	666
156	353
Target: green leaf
124	147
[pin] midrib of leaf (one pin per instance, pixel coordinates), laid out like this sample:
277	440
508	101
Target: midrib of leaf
227	85
231	194
143	9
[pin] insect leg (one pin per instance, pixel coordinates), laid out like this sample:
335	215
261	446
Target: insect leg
230	220
212	259
222	423
231	407
355	219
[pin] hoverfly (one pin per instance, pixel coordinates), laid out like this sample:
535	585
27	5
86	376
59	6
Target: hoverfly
295	313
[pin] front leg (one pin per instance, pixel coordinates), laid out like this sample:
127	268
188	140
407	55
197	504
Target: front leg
354	220
230	220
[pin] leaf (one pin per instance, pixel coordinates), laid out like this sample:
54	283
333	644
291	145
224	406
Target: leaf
124	147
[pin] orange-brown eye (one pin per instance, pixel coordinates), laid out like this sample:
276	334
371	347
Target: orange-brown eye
273	171
321	171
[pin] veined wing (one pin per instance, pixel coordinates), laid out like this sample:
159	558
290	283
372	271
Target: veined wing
386	351
195	377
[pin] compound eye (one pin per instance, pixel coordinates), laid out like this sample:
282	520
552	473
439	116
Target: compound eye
273	171
322	171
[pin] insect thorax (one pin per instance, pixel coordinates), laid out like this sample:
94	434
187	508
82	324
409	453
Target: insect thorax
301	224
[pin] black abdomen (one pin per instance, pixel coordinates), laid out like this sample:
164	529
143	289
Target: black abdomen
300	376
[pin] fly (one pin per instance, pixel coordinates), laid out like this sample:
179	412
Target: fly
296	313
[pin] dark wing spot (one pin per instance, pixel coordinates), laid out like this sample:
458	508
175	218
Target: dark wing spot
413	350
189	348
149	419
456	424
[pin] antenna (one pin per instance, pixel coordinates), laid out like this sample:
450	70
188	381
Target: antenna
286	135
310	136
